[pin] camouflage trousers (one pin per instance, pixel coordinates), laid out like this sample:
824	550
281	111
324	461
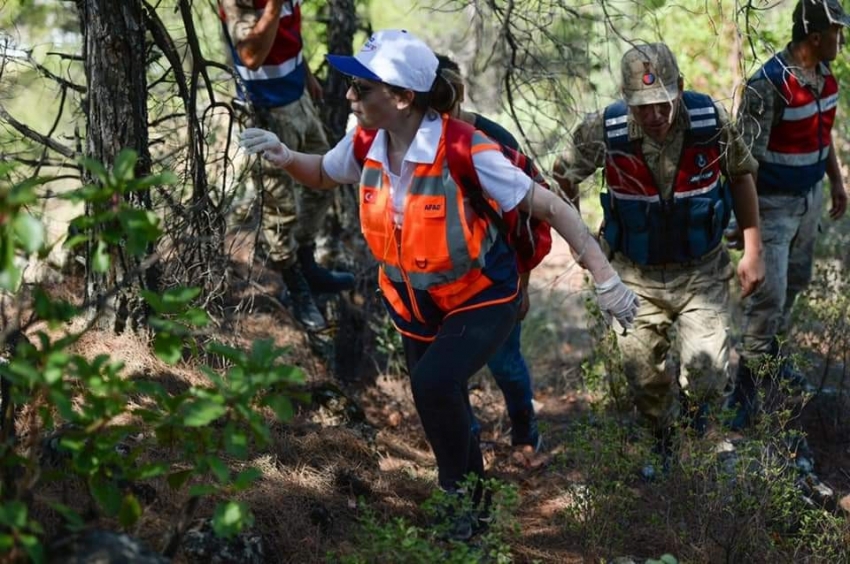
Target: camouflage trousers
789	229
292	214
694	296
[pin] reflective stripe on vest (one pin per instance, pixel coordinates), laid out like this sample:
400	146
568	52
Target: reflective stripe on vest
441	248
280	80
638	223
270	72
799	144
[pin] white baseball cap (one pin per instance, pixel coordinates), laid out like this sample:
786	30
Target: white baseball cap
392	56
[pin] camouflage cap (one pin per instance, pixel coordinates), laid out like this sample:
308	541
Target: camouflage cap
817	15
650	75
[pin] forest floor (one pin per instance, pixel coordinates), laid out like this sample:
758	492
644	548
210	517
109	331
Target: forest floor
359	445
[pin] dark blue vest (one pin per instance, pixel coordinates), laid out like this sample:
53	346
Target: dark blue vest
638	222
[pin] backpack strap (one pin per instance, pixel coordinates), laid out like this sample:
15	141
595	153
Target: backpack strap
362	141
459	156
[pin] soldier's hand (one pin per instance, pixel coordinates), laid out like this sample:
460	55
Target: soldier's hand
314	88
750	273
839	201
733	235
254	140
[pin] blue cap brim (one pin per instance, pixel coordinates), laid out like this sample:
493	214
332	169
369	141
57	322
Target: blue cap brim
351	67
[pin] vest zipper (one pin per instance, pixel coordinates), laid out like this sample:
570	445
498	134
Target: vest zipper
413	303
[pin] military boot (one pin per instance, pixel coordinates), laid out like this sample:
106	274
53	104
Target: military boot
744	398
663	452
788	373
697	418
303	307
321	279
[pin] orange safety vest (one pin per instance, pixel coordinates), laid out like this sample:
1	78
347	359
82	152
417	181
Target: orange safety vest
445	258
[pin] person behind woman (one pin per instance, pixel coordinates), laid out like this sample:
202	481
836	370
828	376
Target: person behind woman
507	365
447	277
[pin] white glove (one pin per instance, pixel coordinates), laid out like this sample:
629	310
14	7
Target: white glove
616	299
254	140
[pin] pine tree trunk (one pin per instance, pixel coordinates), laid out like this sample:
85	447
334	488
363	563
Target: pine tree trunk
116	118
342	25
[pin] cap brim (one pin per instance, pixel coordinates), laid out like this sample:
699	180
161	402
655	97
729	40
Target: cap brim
351	67
843	20
653	96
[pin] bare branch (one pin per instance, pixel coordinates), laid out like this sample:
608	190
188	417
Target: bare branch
36	136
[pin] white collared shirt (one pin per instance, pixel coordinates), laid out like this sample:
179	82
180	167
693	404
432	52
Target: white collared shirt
499	178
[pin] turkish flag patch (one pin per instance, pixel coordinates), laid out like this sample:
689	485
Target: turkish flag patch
370	195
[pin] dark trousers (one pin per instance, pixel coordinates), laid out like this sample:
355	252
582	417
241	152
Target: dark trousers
439	373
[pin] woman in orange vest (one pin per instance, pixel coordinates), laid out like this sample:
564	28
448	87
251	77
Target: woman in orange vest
447	275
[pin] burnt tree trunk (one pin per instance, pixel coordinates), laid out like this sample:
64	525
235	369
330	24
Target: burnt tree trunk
354	341
341	27
116	118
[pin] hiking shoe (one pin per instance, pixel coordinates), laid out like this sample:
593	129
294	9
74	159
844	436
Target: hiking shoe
454	519
459	527
524	430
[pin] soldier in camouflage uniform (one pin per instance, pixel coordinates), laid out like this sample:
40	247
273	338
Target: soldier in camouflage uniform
664	152
266	47
786	119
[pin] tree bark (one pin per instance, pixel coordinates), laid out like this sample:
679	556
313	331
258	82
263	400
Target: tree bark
341	27
116	118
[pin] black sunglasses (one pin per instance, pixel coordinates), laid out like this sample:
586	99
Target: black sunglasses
360	89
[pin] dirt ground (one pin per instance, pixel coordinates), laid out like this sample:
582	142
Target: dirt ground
360	446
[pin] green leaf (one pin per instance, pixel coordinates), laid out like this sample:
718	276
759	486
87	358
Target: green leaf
96	168
202	412
130	511
100	259
199	490
281	405
149	471
218	468
168	348
234	355
246	478
29	231
73	520
106	493
196	316
10	277
52	310
125	164
33	548
75	241
141	228
154	300
177	480
23	193
13	514
230	518
162	179
235	441
175	299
